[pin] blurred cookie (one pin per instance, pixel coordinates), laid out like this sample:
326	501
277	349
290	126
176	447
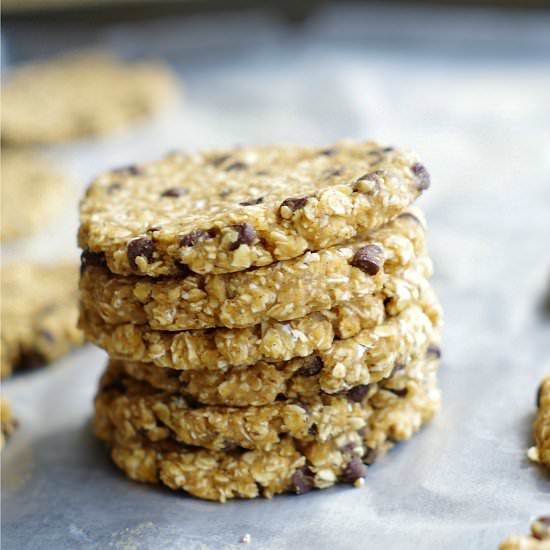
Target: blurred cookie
7	421
32	192
541	427
79	95
39	314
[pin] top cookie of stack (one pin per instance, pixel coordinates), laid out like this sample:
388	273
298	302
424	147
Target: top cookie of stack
227	211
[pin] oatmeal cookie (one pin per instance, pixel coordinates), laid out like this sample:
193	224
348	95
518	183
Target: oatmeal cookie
282	291
33	190
402	340
80	95
228	210
290	465
39	314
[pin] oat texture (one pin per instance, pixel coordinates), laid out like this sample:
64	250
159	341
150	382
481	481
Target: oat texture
282	291
270	340
342	368
7	421
33	191
539	539
541	427
39	314
228	210
80	95
291	465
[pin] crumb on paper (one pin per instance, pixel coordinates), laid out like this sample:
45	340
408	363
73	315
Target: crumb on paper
246	539
533	454
359	482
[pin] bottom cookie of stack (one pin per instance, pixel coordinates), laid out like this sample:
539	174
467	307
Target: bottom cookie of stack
219	452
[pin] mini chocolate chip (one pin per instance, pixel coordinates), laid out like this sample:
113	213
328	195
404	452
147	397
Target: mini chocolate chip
116	186
29	360
370	456
354	470
280	397
154	228
132	169
295	203
313	430
358	393
183	269
236	167
246	234
399	392
544	519
174	192
140	247
217	161
301	481
47	335
369	258
539	396
387	149
313	365
434	350
349	448
252	202
115	385
370	176
196	236
327	152
334	172
422	176
91	258
142	432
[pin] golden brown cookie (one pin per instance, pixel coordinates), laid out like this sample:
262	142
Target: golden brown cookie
282	291
291	465
33	190
79	95
228	210
541	427
39	314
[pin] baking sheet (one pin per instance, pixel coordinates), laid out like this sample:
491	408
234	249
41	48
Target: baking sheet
469	91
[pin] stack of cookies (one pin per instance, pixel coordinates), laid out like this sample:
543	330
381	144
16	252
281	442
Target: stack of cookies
267	314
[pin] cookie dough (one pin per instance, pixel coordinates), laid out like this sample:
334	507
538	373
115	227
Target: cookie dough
228	210
290	466
39	314
32	193
539	539
80	95
541	427
281	291
7	422
386	349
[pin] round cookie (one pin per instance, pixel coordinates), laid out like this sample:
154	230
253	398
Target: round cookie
80	95
290	466
281	291
33	191
388	348
228	210
39	314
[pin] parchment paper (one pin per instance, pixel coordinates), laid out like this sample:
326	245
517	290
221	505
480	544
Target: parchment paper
470	91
